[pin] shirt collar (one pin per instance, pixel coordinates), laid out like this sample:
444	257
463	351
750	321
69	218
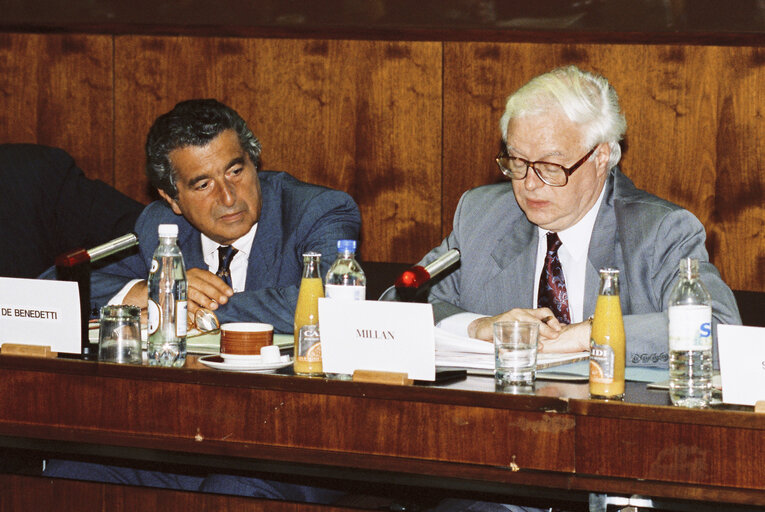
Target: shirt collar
576	239
243	244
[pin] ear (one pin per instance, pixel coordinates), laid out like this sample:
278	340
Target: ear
172	202
602	155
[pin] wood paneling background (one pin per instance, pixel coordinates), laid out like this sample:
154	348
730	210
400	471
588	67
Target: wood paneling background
404	127
57	90
360	116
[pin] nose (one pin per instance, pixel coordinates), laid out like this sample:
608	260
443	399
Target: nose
532	181
227	193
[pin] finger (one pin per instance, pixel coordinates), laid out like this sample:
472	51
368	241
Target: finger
207	289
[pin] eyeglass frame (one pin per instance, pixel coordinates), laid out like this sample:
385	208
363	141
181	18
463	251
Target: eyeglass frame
568	171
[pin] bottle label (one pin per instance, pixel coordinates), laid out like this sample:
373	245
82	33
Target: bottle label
690	327
309	344
180	318
155	317
339	291
601	363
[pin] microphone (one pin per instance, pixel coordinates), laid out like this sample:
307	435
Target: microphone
78	256
73	266
409	283
418	275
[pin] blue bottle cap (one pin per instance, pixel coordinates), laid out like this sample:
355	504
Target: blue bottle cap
346	246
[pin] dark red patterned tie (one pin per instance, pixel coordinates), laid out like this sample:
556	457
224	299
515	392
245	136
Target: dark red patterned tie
225	255
552	285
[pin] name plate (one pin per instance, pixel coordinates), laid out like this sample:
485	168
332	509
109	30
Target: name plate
381	336
742	363
40	312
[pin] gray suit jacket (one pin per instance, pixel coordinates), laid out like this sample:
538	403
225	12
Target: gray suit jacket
640	234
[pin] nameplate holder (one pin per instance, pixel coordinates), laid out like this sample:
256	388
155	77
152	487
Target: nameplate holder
394	378
16	349
742	363
40	312
379	336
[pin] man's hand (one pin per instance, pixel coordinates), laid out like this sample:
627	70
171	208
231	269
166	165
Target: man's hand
571	338
138	295
549	327
206	290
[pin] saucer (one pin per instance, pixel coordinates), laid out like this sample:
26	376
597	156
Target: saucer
252	365
242	359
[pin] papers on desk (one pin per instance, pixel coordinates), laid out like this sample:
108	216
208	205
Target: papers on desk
457	351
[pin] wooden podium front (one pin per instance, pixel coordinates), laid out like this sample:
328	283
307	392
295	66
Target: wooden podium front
463	438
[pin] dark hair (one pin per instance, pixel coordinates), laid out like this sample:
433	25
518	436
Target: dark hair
192	123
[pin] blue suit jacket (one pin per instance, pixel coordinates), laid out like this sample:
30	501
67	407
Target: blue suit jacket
640	234
296	217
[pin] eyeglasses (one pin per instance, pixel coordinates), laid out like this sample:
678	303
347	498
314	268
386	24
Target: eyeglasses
555	175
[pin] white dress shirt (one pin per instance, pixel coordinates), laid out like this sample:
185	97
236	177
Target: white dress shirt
573	260
238	267
239	264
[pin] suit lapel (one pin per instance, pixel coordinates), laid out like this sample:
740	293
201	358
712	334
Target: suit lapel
267	244
514	257
602	252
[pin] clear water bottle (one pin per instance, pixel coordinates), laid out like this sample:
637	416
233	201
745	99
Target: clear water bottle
690	339
346	279
167	301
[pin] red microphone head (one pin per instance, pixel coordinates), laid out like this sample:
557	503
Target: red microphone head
413	278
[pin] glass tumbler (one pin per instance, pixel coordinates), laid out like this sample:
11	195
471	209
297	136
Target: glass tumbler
119	335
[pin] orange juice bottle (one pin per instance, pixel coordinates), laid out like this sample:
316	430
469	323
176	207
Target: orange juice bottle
307	340
607	351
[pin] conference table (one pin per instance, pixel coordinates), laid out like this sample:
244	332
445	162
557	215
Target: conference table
461	438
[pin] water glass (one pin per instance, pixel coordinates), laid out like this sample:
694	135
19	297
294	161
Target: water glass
515	352
119	335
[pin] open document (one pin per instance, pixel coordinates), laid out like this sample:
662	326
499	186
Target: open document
457	351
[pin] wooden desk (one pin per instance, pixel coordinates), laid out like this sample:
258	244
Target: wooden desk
464	436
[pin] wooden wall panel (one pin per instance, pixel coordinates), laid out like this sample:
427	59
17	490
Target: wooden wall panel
361	116
57	90
693	116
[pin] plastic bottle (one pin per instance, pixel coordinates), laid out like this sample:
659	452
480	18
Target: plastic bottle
690	339
346	279
607	342
167	301
307	337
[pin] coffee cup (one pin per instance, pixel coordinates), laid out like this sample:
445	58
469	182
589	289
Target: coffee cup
245	338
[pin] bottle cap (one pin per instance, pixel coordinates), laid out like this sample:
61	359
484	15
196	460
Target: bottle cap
346	246
168	230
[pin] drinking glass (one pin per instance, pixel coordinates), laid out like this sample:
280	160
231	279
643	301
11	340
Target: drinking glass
119	336
515	352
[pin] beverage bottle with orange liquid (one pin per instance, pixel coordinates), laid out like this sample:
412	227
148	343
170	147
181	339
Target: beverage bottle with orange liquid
607	350
307	339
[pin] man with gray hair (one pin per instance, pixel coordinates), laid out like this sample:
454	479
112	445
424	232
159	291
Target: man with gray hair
531	248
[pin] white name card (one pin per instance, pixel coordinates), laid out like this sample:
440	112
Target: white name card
40	312
381	336
742	363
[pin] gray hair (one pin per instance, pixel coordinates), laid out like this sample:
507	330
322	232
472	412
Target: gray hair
192	123
585	98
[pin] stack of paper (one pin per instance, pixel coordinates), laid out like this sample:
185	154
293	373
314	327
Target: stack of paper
457	351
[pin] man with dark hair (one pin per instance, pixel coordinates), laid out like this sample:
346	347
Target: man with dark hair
203	160
50	207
